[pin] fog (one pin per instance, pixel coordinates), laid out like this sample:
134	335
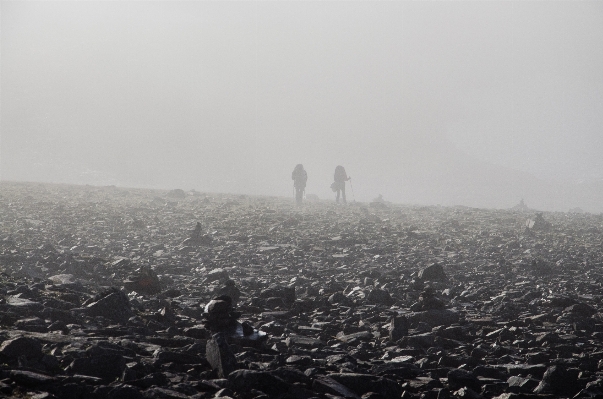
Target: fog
452	103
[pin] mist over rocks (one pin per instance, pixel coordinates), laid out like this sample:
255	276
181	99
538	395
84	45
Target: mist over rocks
102	297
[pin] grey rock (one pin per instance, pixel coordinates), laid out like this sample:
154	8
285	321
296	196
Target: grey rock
219	355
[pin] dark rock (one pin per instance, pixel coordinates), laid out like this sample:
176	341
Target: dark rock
158	379
297	391
489	372
69	390
401	370
541	268
124	391
444	393
34	324
196	238
273	327
300	361
31	348
580	310
230	289
304	342
287	294
144	281
292	375
425	340
359	336
433	272
398	328
163	393
466	392
219	355
364	383
63	316
242	381
536	370
165	356
339	298
327	385
219	315
459	378
521	385
559	380
107	367
538	223
379	296
113	305
197	332
30	378
434	318
428	301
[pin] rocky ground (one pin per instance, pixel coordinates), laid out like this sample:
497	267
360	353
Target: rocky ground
127	293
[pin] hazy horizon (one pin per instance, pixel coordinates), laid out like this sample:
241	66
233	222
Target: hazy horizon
452	103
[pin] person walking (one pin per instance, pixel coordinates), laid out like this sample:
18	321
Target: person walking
299	177
339	185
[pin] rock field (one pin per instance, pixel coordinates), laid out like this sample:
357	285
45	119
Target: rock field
110	292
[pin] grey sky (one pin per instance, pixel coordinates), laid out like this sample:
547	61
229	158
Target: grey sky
413	98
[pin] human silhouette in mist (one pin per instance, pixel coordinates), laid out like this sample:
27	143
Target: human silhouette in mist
299	177
339	185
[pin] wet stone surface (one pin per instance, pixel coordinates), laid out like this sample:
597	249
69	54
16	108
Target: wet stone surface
108	292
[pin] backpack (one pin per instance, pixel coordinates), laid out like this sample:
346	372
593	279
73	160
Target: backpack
340	175
299	175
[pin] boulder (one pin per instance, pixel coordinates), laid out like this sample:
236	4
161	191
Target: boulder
433	272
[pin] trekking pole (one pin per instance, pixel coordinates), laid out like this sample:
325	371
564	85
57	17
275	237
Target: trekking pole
352	187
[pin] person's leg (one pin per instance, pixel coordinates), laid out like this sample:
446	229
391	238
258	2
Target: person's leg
338	192
343	192
299	195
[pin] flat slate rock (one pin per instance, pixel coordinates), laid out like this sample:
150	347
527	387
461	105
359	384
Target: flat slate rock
304	342
18	302
30	378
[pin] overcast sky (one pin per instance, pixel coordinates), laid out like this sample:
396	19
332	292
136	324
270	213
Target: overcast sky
229	96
